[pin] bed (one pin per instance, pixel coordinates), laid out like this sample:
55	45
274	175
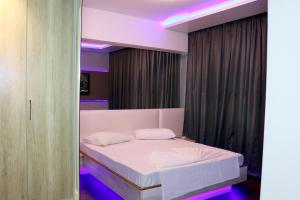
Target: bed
126	169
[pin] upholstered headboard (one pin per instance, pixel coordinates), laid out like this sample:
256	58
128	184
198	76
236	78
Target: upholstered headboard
129	120
173	119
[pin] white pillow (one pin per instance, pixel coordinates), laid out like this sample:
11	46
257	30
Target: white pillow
106	138
154	134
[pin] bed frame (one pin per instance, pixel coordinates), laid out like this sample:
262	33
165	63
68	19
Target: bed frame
129	190
128	120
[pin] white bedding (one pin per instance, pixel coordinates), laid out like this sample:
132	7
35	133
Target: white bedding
132	160
182	156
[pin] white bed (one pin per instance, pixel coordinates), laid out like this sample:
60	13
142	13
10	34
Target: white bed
126	168
129	159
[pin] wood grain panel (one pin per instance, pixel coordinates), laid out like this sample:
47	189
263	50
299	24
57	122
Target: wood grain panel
13	164
53	87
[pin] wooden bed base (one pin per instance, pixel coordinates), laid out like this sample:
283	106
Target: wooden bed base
130	191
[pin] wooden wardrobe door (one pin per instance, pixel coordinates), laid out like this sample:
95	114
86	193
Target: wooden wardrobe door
13	161
52	82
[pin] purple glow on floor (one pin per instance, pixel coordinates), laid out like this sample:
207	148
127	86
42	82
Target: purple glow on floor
205	8
93	69
210	194
96	101
83	171
93	188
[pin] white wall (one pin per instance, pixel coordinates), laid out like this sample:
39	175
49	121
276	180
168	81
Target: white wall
281	158
130	31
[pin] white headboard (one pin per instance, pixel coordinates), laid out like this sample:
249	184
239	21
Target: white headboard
129	120
172	118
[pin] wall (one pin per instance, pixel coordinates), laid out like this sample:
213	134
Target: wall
94	105
281	163
96	64
100	61
98	88
94	59
130	31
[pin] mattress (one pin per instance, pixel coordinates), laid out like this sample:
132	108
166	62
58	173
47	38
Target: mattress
129	160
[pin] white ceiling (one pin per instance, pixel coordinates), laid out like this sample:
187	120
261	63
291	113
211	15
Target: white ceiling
221	17
160	10
157	10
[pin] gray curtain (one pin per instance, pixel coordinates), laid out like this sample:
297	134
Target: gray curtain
226	83
144	79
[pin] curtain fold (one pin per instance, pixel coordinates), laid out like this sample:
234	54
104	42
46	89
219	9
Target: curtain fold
226	83
144	79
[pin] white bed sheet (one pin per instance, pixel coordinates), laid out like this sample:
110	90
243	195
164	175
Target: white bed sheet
129	160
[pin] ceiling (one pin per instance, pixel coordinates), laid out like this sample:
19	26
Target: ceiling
157	10
183	15
245	9
104	50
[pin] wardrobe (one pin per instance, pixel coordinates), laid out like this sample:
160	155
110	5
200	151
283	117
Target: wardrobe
39	99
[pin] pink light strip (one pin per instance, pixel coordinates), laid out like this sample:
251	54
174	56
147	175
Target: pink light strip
205	9
210	194
89	45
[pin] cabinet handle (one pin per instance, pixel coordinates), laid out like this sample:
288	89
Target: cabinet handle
30	109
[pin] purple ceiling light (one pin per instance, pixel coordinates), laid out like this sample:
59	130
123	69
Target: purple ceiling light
206	8
94	100
89	45
94	69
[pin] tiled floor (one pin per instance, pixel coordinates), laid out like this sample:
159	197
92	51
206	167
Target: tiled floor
92	189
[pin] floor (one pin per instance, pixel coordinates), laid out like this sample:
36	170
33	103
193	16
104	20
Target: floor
92	189
249	190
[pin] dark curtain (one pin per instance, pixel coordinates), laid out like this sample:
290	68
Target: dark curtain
144	79
226	83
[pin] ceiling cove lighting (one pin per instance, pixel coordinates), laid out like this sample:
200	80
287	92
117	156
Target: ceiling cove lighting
93	69
89	45
205	9
94	101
